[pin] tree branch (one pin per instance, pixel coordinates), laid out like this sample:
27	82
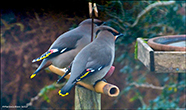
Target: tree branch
148	8
41	93
155	87
119	25
121	6
146	86
115	17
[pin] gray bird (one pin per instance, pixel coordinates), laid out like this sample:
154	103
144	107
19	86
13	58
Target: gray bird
62	52
94	61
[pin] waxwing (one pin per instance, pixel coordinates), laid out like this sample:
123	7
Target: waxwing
94	61
62	52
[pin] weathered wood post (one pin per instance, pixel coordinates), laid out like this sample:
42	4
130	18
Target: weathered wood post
86	99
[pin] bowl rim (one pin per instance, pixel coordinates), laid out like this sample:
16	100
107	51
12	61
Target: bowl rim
161	47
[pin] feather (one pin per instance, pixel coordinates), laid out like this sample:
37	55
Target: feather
87	72
52	53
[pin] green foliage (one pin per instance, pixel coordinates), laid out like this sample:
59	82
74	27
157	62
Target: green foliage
136	50
8	27
157	21
43	92
160	20
164	101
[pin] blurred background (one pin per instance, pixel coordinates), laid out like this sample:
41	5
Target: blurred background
28	29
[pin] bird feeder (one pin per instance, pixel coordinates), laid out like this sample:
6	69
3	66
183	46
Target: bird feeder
165	54
84	92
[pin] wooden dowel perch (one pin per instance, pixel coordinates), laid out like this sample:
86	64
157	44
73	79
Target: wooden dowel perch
100	87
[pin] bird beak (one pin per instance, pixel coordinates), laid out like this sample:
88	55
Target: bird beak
117	36
101	23
104	23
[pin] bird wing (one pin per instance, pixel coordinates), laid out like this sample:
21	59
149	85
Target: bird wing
60	46
94	64
52	53
87	72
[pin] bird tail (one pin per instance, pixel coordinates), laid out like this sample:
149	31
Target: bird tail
67	72
66	89
43	65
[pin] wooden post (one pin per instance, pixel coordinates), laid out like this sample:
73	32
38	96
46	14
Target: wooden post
86	99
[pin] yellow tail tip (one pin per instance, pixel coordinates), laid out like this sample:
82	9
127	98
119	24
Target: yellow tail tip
32	76
63	95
